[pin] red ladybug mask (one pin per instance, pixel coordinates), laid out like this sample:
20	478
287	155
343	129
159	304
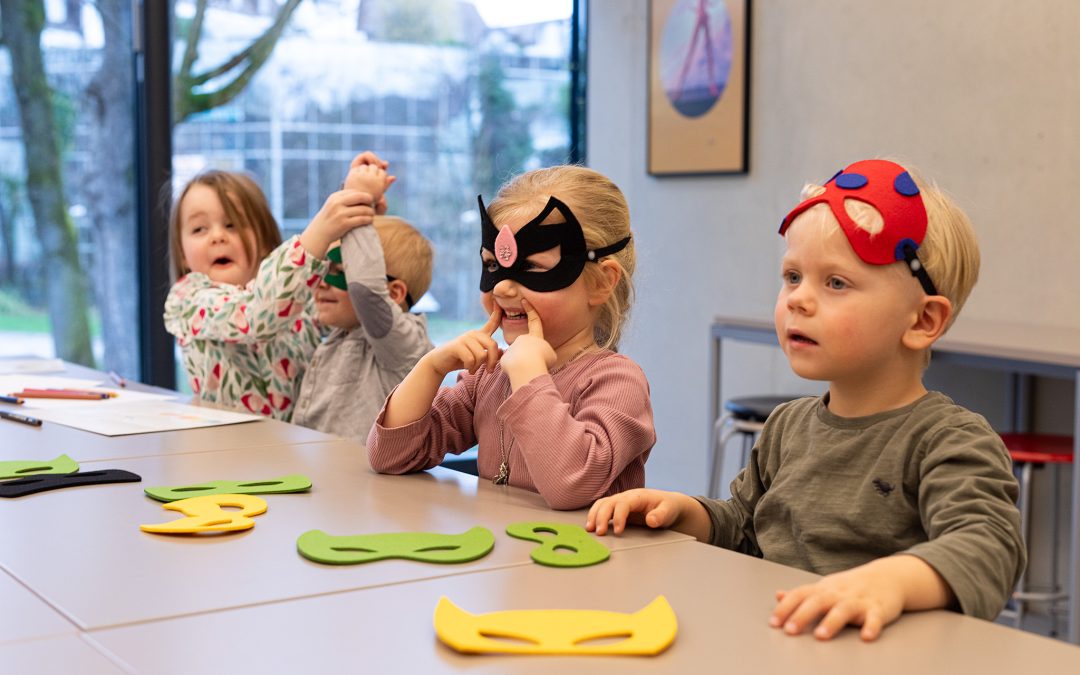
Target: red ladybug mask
889	188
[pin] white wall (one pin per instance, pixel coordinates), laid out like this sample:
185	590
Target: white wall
981	95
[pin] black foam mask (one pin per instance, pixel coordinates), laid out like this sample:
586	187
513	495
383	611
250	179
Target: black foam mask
511	250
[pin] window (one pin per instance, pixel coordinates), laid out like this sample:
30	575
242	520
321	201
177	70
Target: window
456	95
68	273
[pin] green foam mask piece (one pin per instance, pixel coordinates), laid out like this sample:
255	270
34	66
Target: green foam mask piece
571	546
420	546
291	483
337	280
32	467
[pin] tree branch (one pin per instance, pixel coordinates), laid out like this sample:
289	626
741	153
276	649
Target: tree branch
255	54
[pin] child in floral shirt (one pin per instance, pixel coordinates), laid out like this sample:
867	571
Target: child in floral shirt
242	308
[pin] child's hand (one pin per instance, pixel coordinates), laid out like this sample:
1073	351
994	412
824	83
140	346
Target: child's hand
531	355
871	595
360	179
342	211
641	506
370	179
469	350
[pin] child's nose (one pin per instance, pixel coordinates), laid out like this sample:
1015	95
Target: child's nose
505	288
801	299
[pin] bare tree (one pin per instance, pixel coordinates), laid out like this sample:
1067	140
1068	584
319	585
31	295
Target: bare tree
22	22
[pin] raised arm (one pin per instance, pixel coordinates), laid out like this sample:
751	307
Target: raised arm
396	339
199	309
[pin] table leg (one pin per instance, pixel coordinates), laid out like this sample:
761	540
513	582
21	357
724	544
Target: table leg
715	405
1073	582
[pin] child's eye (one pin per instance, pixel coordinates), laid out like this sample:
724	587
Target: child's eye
792	277
531	266
836	284
198	229
490	266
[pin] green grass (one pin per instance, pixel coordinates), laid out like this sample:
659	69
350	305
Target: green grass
18	317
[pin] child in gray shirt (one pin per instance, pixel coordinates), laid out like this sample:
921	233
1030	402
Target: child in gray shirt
374	341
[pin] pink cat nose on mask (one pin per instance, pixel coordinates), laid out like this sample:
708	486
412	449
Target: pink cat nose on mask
506	250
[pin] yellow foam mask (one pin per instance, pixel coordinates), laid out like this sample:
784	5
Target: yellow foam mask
204	514
646	632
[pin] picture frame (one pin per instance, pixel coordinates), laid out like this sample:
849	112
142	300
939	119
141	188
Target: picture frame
698	87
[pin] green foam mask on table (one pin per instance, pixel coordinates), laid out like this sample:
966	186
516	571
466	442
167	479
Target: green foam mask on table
571	546
291	483
420	546
19	468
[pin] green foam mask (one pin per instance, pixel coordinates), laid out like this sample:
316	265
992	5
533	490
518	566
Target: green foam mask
19	468
571	546
336	280
420	546
291	483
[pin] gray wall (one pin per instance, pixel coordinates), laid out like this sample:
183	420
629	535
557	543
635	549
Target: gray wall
981	95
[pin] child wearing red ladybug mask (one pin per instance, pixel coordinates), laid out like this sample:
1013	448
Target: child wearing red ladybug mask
901	498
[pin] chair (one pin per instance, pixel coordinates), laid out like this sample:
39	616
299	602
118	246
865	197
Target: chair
745	416
1028	452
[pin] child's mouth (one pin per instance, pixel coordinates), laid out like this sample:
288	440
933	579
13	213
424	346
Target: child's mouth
222	261
507	314
802	339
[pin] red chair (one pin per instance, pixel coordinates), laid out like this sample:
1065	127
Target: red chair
1028	452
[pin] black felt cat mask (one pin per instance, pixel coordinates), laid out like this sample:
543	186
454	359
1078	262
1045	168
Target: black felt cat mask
511	250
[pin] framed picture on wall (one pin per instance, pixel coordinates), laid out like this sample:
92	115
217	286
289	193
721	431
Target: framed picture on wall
699	53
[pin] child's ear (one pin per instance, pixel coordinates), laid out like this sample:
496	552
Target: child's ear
398	290
930	322
610	274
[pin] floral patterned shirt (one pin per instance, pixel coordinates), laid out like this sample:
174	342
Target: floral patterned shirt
247	347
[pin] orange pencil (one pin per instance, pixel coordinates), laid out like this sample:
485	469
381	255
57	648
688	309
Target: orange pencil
86	396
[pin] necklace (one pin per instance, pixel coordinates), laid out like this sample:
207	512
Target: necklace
503	476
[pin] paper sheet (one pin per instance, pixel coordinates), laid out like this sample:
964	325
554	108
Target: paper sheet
140	417
31	366
12	384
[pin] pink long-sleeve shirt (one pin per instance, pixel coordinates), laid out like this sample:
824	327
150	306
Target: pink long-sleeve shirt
575	435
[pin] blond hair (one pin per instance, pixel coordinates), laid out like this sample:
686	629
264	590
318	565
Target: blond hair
408	254
246	208
601	209
949	250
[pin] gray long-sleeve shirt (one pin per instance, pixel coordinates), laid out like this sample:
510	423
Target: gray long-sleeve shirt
827	493
353	371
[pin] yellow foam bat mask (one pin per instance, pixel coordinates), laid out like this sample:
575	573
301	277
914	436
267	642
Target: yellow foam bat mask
646	632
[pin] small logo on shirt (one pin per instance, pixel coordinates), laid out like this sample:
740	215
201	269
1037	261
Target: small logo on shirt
883	488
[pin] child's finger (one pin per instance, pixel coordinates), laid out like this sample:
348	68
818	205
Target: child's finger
352	197
599	517
659	516
619	517
811	608
493	321
536	327
368	157
840	615
872	625
787	601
